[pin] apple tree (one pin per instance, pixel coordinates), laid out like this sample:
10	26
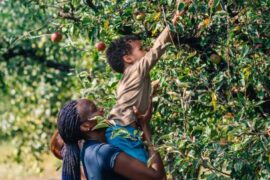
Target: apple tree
212	109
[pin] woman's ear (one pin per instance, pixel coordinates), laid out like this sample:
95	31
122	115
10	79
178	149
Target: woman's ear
127	59
87	126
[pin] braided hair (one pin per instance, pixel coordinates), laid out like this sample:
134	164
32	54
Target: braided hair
68	124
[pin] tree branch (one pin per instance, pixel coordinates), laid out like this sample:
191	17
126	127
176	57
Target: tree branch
31	53
212	168
69	16
91	5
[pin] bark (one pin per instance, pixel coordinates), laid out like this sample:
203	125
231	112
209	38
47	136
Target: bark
31	53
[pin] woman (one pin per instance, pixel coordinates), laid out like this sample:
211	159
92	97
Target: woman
100	160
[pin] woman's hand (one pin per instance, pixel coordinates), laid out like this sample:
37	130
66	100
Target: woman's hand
143	119
56	145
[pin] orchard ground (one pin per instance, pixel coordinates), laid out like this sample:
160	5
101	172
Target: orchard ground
15	171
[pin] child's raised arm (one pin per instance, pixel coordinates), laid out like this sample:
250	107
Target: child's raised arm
165	36
159	47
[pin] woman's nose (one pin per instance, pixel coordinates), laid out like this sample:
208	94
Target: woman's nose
101	111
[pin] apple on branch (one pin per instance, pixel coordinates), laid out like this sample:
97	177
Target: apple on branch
56	37
100	46
216	59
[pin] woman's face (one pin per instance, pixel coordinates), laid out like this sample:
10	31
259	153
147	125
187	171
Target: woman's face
95	113
88	111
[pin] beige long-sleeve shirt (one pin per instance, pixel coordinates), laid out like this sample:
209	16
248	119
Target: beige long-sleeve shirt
134	89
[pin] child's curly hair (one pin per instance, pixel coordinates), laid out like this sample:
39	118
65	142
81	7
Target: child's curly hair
117	49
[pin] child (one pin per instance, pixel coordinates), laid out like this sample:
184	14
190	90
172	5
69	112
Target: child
126	55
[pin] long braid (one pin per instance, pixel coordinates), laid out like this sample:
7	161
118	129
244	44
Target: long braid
68	125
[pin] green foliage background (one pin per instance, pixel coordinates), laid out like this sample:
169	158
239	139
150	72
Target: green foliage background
210	119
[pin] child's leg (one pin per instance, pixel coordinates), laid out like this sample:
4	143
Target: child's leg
127	138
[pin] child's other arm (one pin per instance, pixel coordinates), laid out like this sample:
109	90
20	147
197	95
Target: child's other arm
144	119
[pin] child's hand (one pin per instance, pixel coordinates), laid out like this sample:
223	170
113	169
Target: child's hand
176	17
187	2
178	14
144	118
155	87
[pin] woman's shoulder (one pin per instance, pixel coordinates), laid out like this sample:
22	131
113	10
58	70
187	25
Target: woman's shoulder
104	154
107	149
99	148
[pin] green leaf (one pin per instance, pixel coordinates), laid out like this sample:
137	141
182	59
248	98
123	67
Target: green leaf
169	2
75	2
245	50
192	8
101	125
216	2
123	133
180	27
181	6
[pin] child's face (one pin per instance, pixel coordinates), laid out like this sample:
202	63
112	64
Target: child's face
136	54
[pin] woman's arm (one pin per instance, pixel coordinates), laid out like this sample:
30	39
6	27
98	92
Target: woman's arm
134	169
156	162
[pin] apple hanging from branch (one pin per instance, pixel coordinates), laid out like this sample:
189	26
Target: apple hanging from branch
140	16
216	59
56	37
100	46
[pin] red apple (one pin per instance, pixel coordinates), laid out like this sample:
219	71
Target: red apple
56	37
258	46
268	131
101	46
223	142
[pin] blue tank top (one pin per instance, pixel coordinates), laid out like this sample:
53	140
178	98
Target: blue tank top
98	160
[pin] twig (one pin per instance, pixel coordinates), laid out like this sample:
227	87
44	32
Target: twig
252	133
212	168
166	23
69	16
90	4
27	33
